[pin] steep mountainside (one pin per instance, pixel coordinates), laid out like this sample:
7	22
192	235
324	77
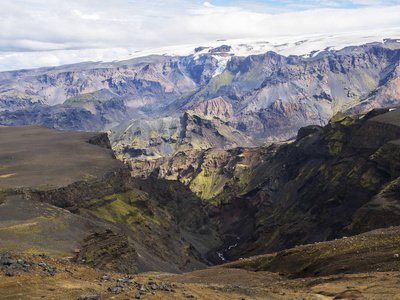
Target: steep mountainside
104	103
54	117
273	95
266	96
332	181
95	111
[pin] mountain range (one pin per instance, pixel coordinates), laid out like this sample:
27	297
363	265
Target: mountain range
258	98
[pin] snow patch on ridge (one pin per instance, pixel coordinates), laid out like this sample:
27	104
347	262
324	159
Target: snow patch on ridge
221	65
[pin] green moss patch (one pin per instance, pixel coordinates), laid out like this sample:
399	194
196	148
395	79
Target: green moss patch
130	208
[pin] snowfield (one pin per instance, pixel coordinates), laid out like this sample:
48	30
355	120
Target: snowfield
290	45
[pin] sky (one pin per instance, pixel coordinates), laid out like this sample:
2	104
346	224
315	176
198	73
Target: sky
38	33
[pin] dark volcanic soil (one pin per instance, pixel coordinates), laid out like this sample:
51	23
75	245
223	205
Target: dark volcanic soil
34	156
36	227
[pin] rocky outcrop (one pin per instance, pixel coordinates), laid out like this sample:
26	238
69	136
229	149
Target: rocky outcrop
79	194
108	251
220	49
101	140
13	99
216	107
208	172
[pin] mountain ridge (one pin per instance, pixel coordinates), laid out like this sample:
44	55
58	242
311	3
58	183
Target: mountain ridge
269	96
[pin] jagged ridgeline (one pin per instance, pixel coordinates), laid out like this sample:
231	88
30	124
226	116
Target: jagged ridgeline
159	105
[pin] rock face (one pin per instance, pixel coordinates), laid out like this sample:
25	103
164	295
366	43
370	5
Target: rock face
332	181
266	96
141	82
108	251
216	107
14	100
208	172
161	137
54	117
85	112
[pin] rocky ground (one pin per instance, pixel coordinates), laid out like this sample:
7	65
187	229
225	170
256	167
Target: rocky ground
25	276
365	266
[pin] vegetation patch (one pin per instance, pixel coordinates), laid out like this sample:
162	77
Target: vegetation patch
26	228
388	156
8	175
129	208
335	148
5	193
370	181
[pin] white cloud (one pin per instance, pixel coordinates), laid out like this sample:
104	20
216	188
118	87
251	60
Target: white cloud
78	30
86	16
37	59
208	4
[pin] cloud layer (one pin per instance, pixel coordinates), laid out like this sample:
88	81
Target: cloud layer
35	33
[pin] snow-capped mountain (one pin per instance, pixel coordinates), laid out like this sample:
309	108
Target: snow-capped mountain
264	89
304	46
